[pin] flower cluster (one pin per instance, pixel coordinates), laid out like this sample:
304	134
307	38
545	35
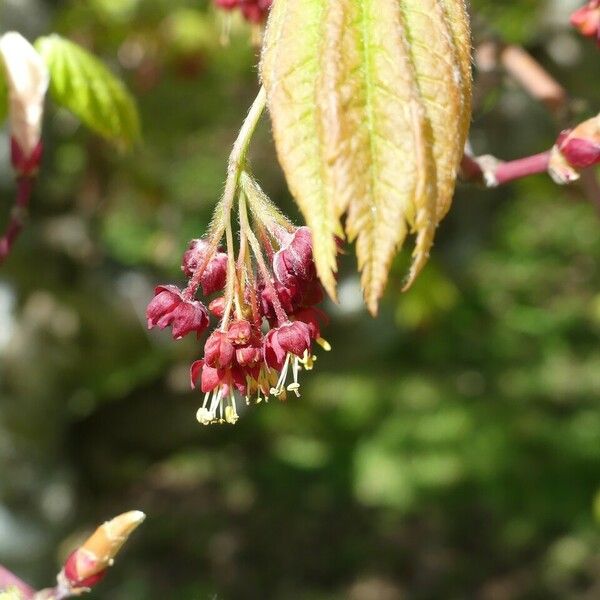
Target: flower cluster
254	11
587	20
268	318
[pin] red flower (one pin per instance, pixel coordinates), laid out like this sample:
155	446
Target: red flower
587	20
240	332
312	317
214	275
170	308
295	258
290	338
218	350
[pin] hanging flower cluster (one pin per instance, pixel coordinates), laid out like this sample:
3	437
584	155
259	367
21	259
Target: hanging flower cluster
266	299
254	11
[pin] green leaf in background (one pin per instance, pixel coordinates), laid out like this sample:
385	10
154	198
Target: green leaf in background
3	96
81	83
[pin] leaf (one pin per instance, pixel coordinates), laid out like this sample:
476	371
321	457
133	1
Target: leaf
81	83
290	69
370	104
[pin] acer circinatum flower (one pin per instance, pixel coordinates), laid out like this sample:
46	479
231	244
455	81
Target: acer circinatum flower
27	78
170	307
268	319
213	276
587	20
575	149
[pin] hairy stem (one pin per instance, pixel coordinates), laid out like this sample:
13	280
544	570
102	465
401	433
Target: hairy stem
237	161
264	270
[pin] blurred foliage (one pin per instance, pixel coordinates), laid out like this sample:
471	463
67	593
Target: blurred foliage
448	450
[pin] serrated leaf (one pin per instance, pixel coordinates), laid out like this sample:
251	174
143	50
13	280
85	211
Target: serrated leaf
83	84
370	103
290	68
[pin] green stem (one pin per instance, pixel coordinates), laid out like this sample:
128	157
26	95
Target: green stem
237	161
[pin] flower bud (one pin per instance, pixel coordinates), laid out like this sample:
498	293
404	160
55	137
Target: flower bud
239	332
87	565
587	20
575	149
217	307
27	77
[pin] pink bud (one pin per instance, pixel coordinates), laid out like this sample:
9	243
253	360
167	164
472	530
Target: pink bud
580	153
27	78
217	307
80	562
587	20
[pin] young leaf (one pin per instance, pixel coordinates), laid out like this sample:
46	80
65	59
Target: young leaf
290	69
81	83
370	103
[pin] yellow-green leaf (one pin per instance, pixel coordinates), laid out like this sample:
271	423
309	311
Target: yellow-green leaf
81	83
370	104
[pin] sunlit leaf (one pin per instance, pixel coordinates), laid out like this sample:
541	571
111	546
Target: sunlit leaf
81	83
370	103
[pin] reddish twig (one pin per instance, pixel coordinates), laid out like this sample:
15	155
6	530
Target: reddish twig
18	215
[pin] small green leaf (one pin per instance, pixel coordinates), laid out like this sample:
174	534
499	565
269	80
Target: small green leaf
81	83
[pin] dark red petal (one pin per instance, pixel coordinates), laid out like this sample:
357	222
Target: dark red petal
196	373
189	317
218	350
211	378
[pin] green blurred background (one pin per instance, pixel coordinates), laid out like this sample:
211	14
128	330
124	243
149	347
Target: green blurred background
449	449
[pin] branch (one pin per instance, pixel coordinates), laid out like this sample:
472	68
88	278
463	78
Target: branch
84	567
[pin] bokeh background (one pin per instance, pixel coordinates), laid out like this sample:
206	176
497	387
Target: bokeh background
449	449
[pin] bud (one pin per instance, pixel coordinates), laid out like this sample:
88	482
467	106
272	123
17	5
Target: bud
587	20
27	78
575	149
217	307
87	565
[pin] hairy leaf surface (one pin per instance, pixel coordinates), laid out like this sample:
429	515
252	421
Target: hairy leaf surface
370	104
81	83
